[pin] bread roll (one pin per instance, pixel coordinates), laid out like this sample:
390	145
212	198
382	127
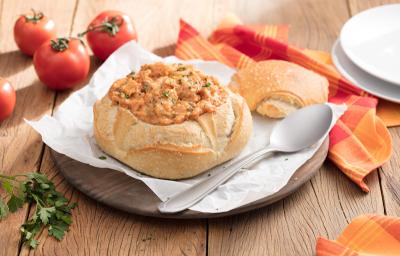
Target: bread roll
275	88
150	131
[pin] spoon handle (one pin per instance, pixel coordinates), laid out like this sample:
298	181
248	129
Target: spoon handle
194	194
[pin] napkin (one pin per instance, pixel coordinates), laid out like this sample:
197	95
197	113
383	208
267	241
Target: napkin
359	142
70	131
365	235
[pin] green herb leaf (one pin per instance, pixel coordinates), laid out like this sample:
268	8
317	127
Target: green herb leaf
102	157
125	95
33	243
60	202
51	207
22	188
30	229
66	219
165	94
45	214
7	186
40	178
207	85
3	209
14	203
146	87
58	230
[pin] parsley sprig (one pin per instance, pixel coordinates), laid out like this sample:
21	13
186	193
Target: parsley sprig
52	210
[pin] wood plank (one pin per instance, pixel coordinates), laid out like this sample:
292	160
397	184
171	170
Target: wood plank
356	6
20	147
308	26
157	22
329	201
390	180
98	229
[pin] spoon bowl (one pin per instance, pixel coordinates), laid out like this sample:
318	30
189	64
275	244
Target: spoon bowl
302	128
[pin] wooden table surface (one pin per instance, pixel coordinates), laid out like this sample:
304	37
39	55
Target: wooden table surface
322	207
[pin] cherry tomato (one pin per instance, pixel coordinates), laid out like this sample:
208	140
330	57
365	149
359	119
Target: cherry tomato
62	63
32	30
108	31
7	99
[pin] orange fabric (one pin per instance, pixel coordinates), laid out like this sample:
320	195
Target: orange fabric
359	143
366	235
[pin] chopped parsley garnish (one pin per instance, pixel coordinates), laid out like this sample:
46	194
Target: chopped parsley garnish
208	84
51	209
146	87
131	74
126	96
102	157
165	94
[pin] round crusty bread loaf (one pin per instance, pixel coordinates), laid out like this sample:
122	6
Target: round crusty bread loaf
275	88
176	151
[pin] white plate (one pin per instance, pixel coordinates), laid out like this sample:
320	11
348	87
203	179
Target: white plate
362	79
371	39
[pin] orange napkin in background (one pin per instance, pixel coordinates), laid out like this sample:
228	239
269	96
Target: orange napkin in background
366	235
359	142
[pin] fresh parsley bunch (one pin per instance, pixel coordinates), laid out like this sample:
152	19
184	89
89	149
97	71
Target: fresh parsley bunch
51	207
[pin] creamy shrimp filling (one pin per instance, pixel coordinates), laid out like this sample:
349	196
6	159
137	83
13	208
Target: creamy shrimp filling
164	94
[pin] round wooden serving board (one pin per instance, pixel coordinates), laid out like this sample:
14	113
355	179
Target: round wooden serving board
117	190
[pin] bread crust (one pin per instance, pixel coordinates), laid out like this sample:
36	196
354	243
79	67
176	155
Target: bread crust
275	88
175	151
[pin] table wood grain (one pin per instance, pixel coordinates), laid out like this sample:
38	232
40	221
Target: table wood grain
323	207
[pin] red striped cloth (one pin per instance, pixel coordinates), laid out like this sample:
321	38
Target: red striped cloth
359	142
366	235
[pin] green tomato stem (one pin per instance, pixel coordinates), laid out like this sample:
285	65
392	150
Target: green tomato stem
35	18
60	44
110	26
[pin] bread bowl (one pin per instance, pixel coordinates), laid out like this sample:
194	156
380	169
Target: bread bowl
275	88
171	121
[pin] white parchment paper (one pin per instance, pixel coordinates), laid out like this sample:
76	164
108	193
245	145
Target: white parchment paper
70	131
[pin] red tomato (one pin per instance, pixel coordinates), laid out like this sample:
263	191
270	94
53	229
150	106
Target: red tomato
108	31
7	99
32	30
62	63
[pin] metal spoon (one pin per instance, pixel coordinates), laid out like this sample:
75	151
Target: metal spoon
299	130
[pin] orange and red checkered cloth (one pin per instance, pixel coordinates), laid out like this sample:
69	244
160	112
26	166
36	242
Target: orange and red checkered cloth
366	235
359	142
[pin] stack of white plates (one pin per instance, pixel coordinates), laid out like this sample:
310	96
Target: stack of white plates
368	51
